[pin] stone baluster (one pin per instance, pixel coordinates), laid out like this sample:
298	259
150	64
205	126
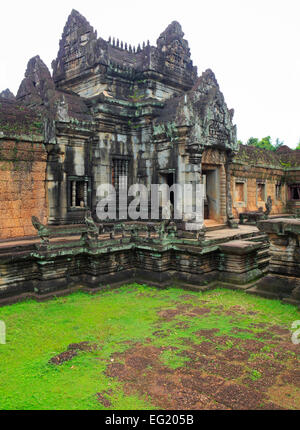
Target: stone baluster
73	193
85	195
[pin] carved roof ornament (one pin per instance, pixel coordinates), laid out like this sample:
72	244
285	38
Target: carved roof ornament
38	90
7	95
174	49
37	84
204	112
77	39
171	33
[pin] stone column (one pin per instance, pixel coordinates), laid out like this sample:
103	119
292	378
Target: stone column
230	217
193	177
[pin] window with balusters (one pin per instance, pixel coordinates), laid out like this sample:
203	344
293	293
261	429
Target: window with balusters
119	173
78	192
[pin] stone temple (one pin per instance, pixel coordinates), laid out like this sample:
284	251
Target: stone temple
111	110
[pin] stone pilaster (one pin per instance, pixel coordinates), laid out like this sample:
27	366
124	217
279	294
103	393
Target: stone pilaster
230	217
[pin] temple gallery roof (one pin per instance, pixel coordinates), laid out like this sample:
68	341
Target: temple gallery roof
16	119
38	90
283	157
80	49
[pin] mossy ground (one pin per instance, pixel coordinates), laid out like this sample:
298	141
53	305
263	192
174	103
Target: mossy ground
148	341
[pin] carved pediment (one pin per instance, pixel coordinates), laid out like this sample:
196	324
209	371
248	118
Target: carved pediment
217	132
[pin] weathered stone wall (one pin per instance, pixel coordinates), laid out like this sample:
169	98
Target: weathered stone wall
283	279
22	187
293	177
251	186
43	270
148	109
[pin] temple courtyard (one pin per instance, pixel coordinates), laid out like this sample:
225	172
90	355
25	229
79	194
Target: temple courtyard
138	347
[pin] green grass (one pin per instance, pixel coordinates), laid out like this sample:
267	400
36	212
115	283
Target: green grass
38	331
255	375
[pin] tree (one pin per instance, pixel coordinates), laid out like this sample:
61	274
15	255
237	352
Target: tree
298	146
265	143
278	143
253	141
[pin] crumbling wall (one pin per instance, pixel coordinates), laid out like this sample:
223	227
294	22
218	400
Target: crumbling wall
251	186
22	187
292	177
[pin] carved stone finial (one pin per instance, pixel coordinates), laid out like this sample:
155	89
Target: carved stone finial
92	229
269	204
42	230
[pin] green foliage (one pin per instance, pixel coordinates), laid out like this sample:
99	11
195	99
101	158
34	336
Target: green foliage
253	141
136	96
255	375
286	165
278	143
265	143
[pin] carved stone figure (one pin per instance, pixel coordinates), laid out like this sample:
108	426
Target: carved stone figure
268	206
42	230
92	229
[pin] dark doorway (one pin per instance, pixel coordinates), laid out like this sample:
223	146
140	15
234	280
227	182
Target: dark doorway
211	180
170	182
168	178
206	206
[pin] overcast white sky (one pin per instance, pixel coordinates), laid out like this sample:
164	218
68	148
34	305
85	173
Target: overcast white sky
251	45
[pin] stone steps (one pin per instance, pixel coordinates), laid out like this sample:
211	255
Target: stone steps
215	227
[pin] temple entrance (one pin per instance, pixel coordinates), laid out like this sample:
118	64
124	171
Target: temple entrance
212	193
167	177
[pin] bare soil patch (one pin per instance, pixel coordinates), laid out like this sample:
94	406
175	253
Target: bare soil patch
212	378
102	398
64	356
72	351
184	309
